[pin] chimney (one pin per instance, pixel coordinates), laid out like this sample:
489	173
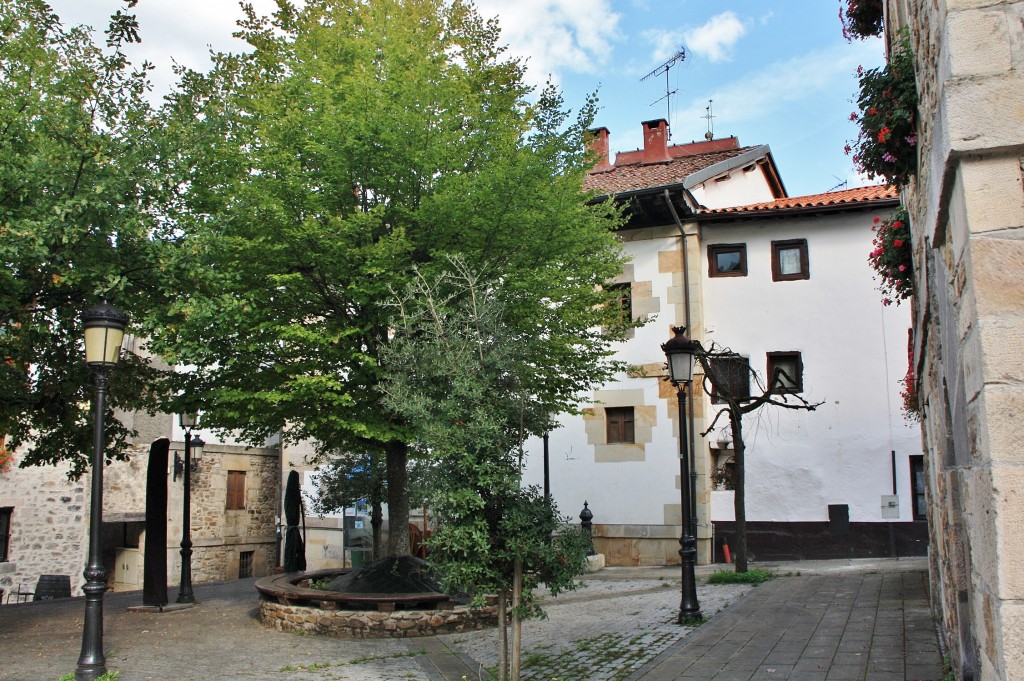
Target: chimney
597	141
656	141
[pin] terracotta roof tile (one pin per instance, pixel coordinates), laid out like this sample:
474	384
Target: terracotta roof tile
635	176
857	195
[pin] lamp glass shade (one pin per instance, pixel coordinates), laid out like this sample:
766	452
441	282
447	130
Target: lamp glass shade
680	366
188	420
197	448
104	331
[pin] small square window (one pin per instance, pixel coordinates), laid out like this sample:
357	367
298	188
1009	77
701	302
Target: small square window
789	260
620	425
785	372
729	375
727	260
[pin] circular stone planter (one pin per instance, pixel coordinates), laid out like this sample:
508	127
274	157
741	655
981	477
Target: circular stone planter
287	604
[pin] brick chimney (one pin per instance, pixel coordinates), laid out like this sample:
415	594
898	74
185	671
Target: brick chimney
656	141
597	141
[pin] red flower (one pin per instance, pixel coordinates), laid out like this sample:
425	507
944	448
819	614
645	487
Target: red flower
897	242
872	111
884	133
877	220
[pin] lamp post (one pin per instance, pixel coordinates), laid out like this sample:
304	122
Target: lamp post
193	453
679	351
104	330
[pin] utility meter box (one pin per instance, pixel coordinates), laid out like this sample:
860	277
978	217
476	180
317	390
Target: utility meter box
890	507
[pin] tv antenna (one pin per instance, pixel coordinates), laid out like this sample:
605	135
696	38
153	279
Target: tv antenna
842	183
710	134
664	68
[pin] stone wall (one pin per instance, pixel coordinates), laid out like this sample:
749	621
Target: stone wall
967	212
373	624
50	518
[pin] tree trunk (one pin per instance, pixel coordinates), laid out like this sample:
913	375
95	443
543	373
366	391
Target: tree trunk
503	636
376	523
517	622
398	498
739	486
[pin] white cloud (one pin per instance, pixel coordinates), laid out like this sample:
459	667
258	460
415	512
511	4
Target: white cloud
765	93
556	35
715	38
665	44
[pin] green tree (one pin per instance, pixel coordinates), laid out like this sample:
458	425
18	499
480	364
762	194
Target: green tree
77	183
356	141
465	374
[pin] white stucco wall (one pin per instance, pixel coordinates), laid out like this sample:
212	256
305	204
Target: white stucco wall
854	352
739	187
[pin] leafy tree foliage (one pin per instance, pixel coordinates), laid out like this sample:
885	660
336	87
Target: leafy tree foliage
76	186
461	371
356	141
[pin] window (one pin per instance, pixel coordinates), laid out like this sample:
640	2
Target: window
245	564
789	260
785	372
5	533
624	294
236	491
920	508
731	376
620	424
727	260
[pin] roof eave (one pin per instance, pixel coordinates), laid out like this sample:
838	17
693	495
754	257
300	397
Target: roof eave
735	216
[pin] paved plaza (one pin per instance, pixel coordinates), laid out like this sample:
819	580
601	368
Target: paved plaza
817	621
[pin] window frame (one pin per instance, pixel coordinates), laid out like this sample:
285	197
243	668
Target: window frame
737	359
246	560
917	491
787	244
715	249
620	422
6	515
235	491
623	292
774	358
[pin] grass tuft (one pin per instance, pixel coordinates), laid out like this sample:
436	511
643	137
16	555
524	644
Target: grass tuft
731	577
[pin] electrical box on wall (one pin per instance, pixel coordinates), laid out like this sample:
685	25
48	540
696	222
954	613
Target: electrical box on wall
890	507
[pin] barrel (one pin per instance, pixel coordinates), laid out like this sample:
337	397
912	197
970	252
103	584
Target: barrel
50	587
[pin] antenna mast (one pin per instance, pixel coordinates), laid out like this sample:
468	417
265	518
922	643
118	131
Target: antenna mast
664	68
710	134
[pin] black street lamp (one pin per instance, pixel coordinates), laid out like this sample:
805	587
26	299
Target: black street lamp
680	351
193	453
104	330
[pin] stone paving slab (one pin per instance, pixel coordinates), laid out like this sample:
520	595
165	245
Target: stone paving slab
843	623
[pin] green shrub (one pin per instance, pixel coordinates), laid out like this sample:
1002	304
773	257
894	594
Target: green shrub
733	577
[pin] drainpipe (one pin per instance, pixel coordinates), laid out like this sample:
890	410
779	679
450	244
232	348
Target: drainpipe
686	317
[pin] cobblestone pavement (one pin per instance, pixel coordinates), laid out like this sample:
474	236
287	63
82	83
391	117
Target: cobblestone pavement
609	628
852	621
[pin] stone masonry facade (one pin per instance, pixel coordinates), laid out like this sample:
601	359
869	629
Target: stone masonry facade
50	516
967	212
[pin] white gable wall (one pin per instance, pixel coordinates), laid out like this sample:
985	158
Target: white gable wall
854	351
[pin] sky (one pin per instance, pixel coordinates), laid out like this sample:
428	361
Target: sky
775	72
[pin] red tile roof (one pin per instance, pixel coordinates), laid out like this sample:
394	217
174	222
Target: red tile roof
635	176
839	198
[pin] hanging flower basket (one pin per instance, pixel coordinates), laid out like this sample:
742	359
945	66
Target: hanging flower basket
861	18
911	410
886	146
892	257
6	459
